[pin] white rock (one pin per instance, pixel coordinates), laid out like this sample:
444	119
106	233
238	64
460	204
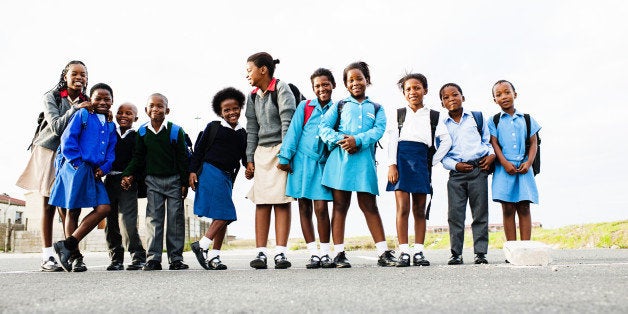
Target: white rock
527	253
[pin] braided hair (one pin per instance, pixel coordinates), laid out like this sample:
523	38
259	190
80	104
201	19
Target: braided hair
63	85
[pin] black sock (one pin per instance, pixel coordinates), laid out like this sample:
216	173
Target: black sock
71	243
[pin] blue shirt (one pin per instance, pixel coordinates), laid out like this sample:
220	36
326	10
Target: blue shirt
511	134
467	144
358	120
304	138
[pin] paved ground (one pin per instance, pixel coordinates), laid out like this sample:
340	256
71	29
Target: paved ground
577	281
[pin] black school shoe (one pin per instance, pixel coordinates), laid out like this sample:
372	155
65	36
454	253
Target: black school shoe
281	262
341	260
152	265
455	260
480	258
50	265
135	265
419	260
387	259
315	262
78	266
201	255
404	260
215	264
115	265
260	262
64	255
178	265
326	262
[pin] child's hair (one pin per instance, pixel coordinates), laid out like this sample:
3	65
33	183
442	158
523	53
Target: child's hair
63	84
360	65
261	59
224	94
454	85
323	72
417	76
161	96
100	86
499	82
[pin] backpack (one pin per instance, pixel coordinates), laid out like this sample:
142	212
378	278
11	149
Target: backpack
174	135
536	165
308	111
204	143
41	121
434	115
341	104
479	121
298	97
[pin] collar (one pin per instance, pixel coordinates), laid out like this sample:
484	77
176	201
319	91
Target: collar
227	125
351	99
129	131
517	113
164	125
464	112
271	87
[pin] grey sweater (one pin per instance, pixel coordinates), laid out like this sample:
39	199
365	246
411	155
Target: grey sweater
267	123
57	117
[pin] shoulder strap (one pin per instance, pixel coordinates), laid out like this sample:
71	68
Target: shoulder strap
174	133
84	116
526	117
479	120
340	105
433	123
273	94
207	140
141	131
401	118
308	111
496	118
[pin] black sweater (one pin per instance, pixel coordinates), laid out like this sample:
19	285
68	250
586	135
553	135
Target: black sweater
226	152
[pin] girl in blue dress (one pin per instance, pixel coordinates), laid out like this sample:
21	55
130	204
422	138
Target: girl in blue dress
86	154
219	151
513	180
303	157
351	128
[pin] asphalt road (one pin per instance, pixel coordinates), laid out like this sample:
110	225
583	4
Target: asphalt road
583	281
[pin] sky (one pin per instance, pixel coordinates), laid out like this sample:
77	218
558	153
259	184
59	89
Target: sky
567	59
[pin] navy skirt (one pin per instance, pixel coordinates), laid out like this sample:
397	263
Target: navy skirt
213	194
413	170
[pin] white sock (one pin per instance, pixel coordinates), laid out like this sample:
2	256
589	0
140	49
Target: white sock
339	248
280	249
404	248
325	248
204	243
212	253
46	253
381	247
263	250
418	248
312	248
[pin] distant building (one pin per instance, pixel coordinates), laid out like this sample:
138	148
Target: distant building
11	209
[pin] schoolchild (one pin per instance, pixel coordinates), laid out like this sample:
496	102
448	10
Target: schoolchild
213	169
303	156
165	163
266	127
513	181
123	202
86	154
469	162
411	154
60	103
351	134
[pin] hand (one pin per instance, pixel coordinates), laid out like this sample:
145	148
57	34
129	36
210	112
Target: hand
192	181
87	105
510	168
285	168
523	167
486	162
126	182
464	167
393	174
98	173
348	144
250	171
184	192
109	116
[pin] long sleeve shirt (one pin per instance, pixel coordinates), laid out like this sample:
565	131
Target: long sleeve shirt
467	143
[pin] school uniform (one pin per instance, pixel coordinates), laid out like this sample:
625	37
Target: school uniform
219	162
352	172
84	148
266	126
166	167
468	146
123	205
408	148
511	134
304	150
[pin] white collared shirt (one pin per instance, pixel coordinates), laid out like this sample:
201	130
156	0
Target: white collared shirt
125	133
227	125
164	125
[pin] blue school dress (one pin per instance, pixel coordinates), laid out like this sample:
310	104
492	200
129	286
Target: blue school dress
352	172
304	150
88	143
511	134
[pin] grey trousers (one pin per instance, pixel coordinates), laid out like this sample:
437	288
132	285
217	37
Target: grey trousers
472	186
124	210
164	202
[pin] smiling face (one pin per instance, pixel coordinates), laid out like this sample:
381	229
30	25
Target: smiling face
356	84
254	74
102	100
505	96
230	111
126	115
451	98
413	91
76	77
157	109
322	87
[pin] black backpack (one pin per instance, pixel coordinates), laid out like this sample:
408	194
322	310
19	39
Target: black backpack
41	121
298	97
536	165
